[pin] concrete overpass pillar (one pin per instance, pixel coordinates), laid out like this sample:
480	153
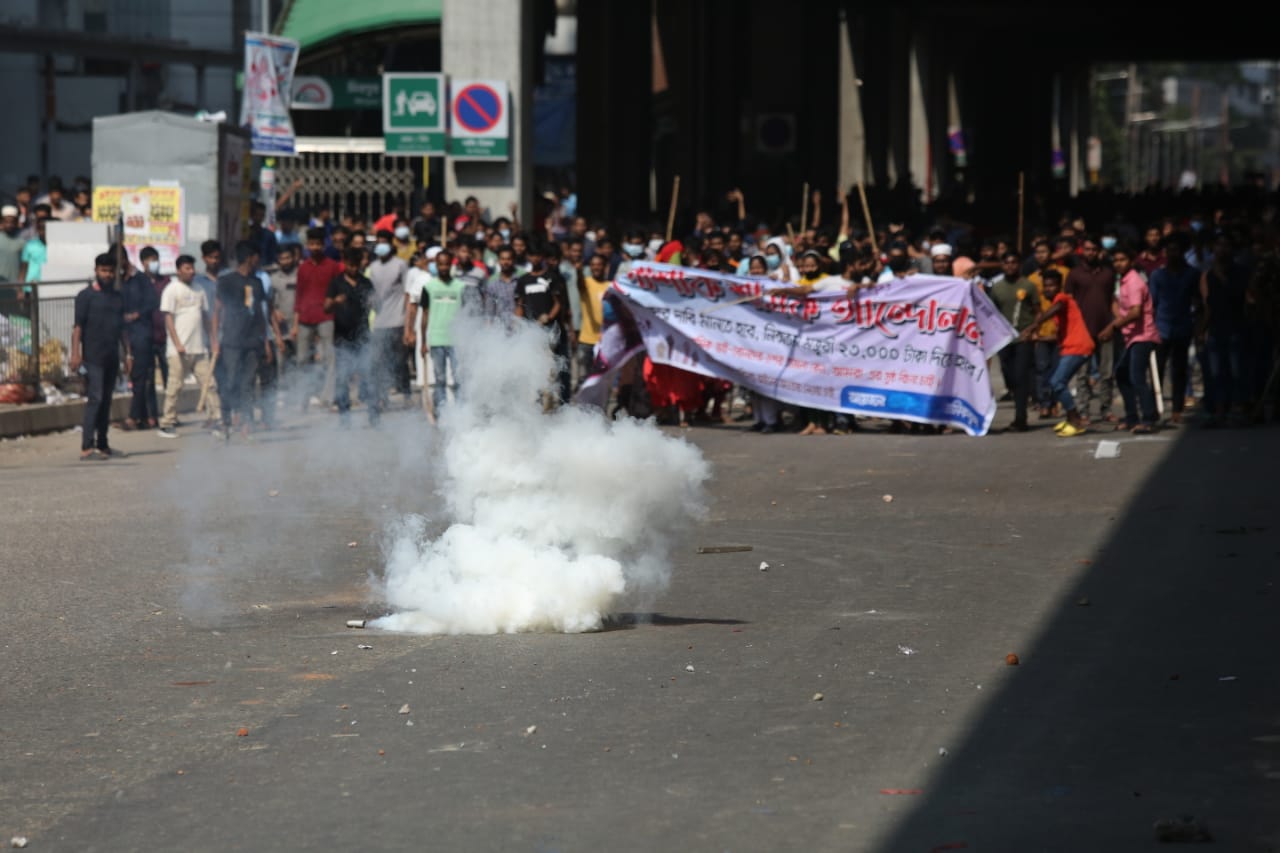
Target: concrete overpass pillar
494	39
852	129
919	152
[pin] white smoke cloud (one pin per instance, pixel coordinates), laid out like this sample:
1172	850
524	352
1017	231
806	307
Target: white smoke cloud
552	519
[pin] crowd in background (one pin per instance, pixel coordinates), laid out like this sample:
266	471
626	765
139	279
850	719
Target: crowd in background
1182	306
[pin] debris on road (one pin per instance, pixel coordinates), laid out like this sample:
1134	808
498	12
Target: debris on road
688	667
353	544
408	722
1011	659
722	549
907	650
530	730
18	841
364	646
274	493
887	499
1227	677
404	709
764	567
1107	450
382	752
818	697
1184	829
942	750
242	732
356	623
901	791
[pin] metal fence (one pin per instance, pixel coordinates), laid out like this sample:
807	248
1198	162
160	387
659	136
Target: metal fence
361	183
35	341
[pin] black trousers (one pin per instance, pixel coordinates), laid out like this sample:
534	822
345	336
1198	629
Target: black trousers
1018	362
143	378
1171	355
238	366
100	382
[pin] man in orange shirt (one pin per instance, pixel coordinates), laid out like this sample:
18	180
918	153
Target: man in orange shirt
1075	345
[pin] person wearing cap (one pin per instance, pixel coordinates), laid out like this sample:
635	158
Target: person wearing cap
940	254
11	243
96	338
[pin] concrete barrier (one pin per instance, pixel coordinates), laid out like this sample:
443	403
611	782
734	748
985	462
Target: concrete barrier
36	418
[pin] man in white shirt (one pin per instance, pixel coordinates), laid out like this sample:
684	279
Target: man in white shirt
186	321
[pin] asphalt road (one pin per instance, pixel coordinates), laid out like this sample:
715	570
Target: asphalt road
156	606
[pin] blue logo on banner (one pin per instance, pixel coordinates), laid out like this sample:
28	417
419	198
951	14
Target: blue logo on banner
910	405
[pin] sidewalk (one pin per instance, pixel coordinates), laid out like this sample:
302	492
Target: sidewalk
35	418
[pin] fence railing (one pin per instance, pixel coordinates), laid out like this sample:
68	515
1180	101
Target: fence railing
35	340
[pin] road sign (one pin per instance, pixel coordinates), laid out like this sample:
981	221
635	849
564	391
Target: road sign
413	111
479	122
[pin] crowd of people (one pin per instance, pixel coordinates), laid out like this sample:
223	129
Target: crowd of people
313	305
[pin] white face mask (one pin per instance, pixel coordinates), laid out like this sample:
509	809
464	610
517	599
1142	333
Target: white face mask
382	250
402	233
153	267
655	245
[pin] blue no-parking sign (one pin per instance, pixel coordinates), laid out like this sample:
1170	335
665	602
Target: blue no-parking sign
479	124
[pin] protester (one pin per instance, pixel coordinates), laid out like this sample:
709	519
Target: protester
11	244
313	326
1175	289
1135	320
1075	345
389	358
591	289
96	339
1223	288
538	299
239	338
1092	283
439	301
35	254
1019	301
188	327
140	304
349	300
498	293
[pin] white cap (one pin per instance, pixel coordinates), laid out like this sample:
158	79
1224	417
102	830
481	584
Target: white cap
9	210
940	249
432	252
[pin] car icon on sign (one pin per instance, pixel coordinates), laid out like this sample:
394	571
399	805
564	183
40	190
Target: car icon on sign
422	102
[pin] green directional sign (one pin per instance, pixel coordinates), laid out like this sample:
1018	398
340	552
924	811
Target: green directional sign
413	114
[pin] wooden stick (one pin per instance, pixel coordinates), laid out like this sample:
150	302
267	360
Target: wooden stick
444	229
1021	203
804	208
204	387
675	199
866	214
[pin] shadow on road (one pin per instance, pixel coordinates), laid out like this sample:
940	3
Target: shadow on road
624	621
1153	690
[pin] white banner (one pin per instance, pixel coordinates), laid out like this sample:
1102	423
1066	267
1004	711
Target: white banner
269	62
914	349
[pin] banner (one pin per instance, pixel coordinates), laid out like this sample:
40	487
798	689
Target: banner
619	343
914	349
152	217
269	62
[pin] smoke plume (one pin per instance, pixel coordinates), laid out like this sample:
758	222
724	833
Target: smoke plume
547	521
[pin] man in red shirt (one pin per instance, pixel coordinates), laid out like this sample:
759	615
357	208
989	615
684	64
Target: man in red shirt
312	327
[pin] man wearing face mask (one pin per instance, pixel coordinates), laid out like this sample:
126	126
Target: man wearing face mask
633	251
402	241
312	326
391	332
95	347
140	304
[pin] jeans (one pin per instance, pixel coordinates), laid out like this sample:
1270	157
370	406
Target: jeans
390	367
1046	361
1018	361
349	358
315	343
443	363
100	381
1060	381
584	360
1133	376
1171	356
238	366
1104	360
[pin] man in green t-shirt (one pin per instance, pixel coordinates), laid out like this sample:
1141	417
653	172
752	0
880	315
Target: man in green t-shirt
1018	299
439	301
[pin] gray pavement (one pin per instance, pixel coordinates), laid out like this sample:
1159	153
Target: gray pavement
155	605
